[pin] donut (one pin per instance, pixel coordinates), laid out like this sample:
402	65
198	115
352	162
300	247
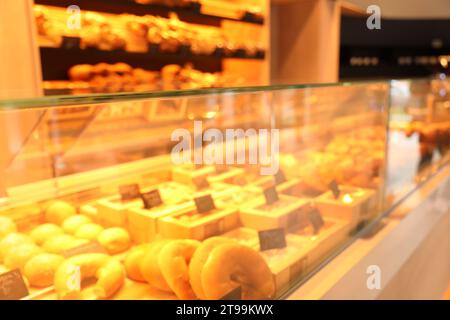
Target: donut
71	224
11	241
133	262
40	269
150	267
88	231
198	260
17	258
108	271
58	244
44	232
58	211
7	226
231	265
114	240
173	261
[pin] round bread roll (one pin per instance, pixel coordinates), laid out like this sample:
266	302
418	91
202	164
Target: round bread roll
114	240
12	241
7	226
59	243
133	262
40	269
199	259
231	265
71	224
17	258
81	72
108	271
44	232
58	211
174	260
88	231
150	268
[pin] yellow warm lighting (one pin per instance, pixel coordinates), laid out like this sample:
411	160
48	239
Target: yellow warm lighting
444	62
347	198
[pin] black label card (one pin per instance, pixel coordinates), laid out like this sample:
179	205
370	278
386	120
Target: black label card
316	219
151	199
204	204
201	182
12	286
271	195
272	239
235	294
129	192
280	177
90	247
70	42
335	189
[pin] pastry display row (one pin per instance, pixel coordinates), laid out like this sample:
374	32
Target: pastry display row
139	33
121	77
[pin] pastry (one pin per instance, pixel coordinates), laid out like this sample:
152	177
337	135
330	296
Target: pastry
88	231
42	233
58	211
133	262
174	260
19	256
81	72
232	265
198	260
71	224
40	269
109	273
7	226
150	267
11	241
58	244
114	240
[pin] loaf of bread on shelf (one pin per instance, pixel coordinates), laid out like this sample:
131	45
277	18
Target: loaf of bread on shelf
7	226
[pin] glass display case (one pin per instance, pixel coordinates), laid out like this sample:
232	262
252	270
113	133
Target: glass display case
237	193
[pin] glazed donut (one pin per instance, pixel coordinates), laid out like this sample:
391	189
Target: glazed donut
133	262
40	269
199	259
58	211
150	267
229	265
17	258
71	224
174	260
109	273
11	241
7	226
42	233
88	231
58	244
114	240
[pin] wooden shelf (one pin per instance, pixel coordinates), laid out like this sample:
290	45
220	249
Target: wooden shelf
192	14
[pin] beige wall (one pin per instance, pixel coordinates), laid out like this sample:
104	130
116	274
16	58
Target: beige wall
410	9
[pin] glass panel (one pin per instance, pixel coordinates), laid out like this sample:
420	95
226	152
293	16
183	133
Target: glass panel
419	133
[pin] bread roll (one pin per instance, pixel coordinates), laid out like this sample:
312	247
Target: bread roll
44	232
58	211
71	224
58	244
88	231
114	240
40	269
19	256
12	241
7	226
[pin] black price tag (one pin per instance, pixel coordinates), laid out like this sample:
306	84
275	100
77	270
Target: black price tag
70	42
151	199
201	182
90	247
271	195
280	177
204	204
235	294
335	189
130	192
316	219
272	239
12	286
